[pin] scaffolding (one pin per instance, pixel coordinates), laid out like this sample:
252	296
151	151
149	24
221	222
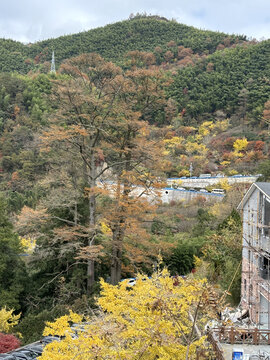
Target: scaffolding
255	289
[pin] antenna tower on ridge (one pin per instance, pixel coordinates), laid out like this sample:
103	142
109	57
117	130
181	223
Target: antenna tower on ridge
53	63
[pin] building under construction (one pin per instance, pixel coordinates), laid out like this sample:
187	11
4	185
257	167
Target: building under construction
255	286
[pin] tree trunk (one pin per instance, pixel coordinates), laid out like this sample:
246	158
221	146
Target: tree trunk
92	223
76	213
194	326
119	227
116	260
90	276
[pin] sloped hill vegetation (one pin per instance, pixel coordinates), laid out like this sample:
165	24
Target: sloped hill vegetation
112	42
12	56
168	98
225	80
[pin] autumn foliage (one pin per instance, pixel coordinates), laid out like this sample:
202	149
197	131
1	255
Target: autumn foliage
8	320
84	155
8	342
156	318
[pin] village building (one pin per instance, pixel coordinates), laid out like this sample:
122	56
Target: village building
255	284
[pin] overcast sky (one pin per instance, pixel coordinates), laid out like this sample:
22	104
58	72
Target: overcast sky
34	20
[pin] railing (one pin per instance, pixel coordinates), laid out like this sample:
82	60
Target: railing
212	352
216	346
242	336
231	335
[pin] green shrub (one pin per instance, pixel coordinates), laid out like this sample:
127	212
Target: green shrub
31	326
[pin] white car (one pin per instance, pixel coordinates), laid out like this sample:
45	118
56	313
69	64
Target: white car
129	282
218	191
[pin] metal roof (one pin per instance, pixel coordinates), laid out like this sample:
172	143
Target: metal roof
264	187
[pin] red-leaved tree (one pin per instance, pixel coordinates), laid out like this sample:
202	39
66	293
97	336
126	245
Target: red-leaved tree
8	342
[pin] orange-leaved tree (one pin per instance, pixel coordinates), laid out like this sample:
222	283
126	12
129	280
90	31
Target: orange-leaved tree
134	192
87	97
133	154
99	131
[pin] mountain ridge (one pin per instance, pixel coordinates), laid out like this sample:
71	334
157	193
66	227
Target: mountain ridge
112	41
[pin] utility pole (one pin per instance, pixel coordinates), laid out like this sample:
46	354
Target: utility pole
53	63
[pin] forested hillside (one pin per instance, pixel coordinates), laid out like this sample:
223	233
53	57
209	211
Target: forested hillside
224	80
82	149
112	42
13	56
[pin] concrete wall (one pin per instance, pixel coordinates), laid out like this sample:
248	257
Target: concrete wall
169	194
204	182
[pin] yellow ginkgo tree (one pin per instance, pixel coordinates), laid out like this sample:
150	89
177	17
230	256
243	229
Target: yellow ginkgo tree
240	146
159	317
28	244
8	320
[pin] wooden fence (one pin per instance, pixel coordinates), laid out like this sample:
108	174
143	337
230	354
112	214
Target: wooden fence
213	353
231	335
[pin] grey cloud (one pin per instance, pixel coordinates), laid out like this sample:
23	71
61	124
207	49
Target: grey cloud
33	20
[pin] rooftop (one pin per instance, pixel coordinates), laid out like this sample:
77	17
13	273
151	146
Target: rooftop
264	187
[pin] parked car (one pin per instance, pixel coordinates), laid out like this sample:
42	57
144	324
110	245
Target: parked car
132	281
203	190
218	191
24	354
129	282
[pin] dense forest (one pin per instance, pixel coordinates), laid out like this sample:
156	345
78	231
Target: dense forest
223	80
130	105
112	42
